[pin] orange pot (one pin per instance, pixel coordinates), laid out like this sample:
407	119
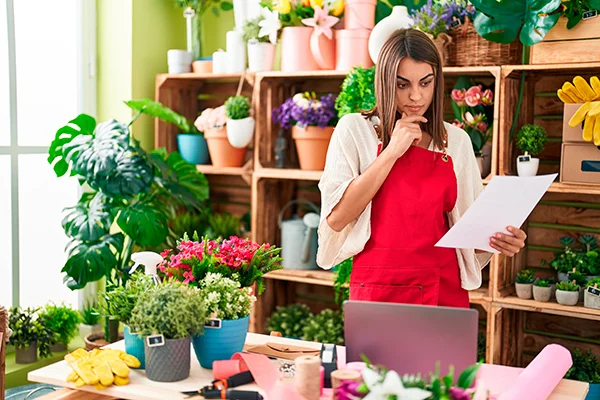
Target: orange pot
312	144
222	153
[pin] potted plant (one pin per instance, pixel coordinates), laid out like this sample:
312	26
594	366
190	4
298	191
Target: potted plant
212	122
524	284
565	260
434	20
235	258
580	280
325	327
190	142
357	92
240	125
552	282
261	36
567	293
29	335
542	291
312	122
167	317
531	140
474	112
62	320
590	256
229	307
592	296
90	321
223	226
586	368
122	300
289	320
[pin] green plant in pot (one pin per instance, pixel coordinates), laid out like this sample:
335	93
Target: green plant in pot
542	290
567	293
591	297
167	316
240	125
289	320
30	335
120	301
229	307
223	226
357	92
586	368
261	48
524	284
190	141
62	320
531	140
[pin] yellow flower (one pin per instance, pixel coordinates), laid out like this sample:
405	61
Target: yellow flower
283	7
315	3
338	8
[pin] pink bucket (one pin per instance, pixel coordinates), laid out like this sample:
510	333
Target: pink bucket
359	14
352	49
296	54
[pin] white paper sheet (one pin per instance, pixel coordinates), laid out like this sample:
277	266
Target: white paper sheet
506	201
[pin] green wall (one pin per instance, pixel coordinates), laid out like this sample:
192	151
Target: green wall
215	30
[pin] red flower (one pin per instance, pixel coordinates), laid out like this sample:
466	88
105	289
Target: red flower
473	96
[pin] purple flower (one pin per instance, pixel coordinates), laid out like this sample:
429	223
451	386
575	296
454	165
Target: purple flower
459	394
308	111
348	390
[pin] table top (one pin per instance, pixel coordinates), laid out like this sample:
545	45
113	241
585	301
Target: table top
142	388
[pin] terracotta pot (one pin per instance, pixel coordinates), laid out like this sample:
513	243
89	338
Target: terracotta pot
222	153
312	144
524	290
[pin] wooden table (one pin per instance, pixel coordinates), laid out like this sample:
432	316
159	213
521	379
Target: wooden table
142	388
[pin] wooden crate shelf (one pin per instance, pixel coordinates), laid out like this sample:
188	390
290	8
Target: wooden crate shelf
288	173
551	307
315	277
244	172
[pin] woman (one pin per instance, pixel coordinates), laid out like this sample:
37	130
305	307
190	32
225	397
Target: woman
396	179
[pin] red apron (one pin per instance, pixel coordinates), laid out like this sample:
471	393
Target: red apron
400	263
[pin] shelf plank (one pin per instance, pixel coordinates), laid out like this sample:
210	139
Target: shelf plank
288	173
514	70
551	307
314	277
202	76
558	187
212	170
493	70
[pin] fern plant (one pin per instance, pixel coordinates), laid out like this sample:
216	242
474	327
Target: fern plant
61	319
357	93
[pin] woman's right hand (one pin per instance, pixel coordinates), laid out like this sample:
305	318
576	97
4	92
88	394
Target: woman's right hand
407	132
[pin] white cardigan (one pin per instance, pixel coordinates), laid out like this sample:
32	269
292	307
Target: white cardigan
352	149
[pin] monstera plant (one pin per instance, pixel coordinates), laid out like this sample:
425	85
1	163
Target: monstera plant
502	21
133	196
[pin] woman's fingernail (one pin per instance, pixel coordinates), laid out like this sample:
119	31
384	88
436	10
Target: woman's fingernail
498	235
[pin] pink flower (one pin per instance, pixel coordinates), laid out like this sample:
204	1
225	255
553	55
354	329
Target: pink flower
473	96
487	98
211	118
322	21
459	124
471	120
458	95
482	126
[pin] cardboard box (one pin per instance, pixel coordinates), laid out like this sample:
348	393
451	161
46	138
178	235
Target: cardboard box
580	164
571	135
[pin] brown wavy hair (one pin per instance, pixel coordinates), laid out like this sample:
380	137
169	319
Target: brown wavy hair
418	46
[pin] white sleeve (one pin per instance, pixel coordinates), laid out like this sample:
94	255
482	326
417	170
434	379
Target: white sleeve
341	168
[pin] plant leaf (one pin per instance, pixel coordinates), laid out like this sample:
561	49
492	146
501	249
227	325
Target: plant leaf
537	21
90	261
158	110
145	223
85	126
467	377
498	29
88	220
226	6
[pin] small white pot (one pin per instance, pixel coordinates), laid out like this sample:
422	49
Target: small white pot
591	301
542	294
261	56
524	290
567	298
180	68
240	132
179	57
528	168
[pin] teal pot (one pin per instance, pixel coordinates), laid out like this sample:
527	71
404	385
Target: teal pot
594	393
221	343
169	362
134	345
193	148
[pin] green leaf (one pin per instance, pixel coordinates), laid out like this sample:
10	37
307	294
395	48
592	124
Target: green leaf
216	12
594	4
226	6
145	223
90	261
499	30
158	110
467	377
84	126
573	21
88	221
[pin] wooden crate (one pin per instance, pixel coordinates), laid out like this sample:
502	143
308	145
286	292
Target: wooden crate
562	45
540	105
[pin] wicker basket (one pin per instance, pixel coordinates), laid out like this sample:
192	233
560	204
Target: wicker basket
96	340
468	48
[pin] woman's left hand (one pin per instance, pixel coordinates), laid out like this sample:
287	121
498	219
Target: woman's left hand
507	244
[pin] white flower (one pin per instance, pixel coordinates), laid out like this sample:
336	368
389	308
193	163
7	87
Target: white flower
270	25
391	385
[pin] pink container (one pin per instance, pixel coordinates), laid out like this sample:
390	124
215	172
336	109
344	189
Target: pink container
359	14
352	47
296	54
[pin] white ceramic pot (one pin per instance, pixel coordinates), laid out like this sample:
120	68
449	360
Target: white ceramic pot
180	68
528	168
245	10
398	19
591	301
524	290
240	132
179	57
567	298
542	293
261	56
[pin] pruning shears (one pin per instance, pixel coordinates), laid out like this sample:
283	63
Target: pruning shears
220	389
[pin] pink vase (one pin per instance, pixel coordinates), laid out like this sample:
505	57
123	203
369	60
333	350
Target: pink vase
352	49
359	14
296	54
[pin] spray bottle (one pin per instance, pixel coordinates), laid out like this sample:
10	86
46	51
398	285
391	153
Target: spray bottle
150	261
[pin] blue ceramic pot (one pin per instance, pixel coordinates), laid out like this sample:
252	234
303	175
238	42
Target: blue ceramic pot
134	345
594	393
221	344
193	148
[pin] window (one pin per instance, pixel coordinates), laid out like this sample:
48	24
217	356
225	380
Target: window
43	84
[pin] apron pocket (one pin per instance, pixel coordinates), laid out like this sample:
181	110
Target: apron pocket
405	294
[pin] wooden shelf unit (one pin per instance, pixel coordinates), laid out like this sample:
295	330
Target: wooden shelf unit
504	317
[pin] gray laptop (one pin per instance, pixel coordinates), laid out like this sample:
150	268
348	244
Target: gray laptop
411	338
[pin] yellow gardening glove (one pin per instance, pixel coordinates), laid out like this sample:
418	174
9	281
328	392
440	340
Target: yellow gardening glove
580	114
586	91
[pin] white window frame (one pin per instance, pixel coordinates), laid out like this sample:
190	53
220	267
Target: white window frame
86	88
